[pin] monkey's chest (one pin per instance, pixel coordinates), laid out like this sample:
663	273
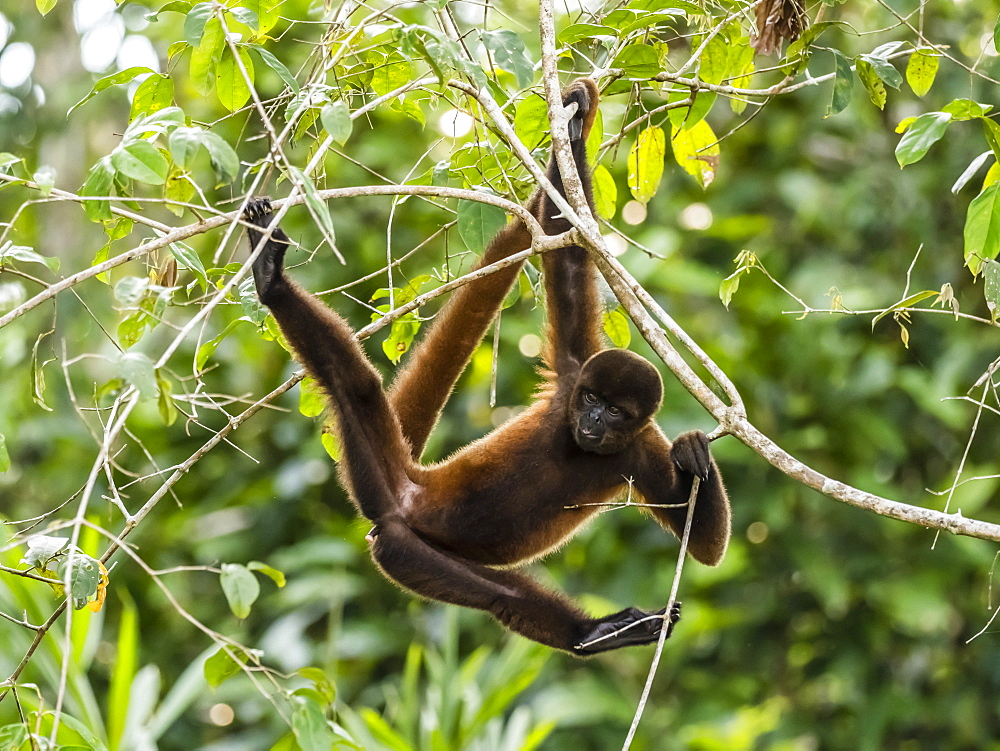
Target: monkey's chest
512	511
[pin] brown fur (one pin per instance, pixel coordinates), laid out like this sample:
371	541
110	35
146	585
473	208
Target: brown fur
443	530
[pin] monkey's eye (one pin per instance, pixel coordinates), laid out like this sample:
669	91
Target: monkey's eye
590	397
614	411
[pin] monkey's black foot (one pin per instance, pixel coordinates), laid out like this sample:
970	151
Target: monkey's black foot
258	211
628	628
583	93
691	455
267	267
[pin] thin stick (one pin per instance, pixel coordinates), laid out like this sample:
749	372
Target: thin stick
666	615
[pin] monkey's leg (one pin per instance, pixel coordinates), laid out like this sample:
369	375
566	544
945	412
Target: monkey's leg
515	600
375	453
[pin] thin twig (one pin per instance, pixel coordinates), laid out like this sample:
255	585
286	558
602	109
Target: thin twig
674	587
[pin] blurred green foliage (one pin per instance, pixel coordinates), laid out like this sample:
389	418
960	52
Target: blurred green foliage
825	627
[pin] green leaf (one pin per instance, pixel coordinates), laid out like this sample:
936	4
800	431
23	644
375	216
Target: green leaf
389	71
966	109
277	66
4	454
510	54
15	737
136	368
906	302
920	136
207	349
225	162
715	60
696	150
843	85
605	192
645	163
205	57
982	228
688	117
312	400
996	34
152	95
336	119
122	76
383	733
478	223
310	726
222	666
176	6
10	252
142	161
884	69
126	661
921	70
44	6
240	587
872	83
589	32
616	327
188	259
269	571
331	444
83	574
164	400
38	374
99	181
316	204
266	12
970	171
231	87
637	61
991	287
184	143
42	549
246	17
991	129
195	22
531	120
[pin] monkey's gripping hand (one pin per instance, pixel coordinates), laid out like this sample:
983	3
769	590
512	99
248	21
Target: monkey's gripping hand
267	268
582	93
627	628
691	455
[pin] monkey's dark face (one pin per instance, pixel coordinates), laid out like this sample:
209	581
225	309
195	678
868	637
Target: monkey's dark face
614	398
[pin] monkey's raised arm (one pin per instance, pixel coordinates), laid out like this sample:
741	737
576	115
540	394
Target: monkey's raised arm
423	385
572	306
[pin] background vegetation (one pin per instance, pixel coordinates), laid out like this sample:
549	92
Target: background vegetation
825	627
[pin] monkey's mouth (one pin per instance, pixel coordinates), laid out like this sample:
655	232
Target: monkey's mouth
589	438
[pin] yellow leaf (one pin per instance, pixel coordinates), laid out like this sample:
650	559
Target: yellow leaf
645	163
696	150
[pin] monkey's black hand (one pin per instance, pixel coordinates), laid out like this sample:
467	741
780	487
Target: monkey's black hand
690	454
583	93
267	268
627	628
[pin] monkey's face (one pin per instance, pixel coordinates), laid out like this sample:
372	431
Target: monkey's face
614	398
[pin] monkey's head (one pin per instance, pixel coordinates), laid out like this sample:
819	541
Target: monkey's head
616	395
